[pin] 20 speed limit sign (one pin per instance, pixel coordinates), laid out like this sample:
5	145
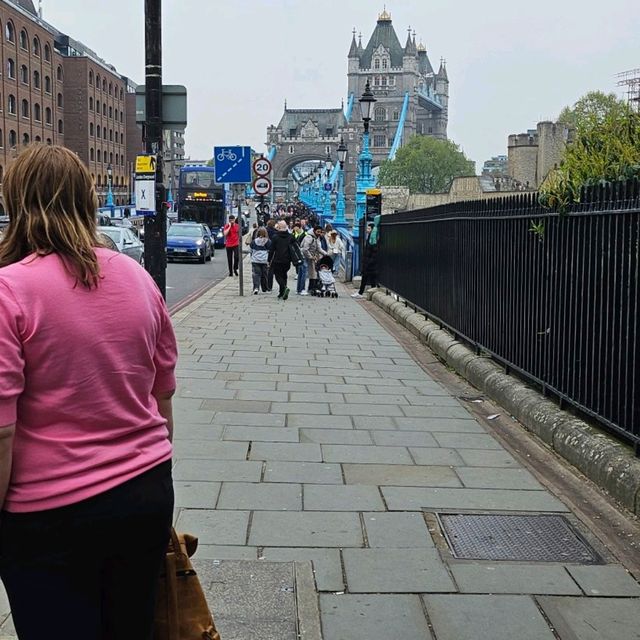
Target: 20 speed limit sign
262	186
261	167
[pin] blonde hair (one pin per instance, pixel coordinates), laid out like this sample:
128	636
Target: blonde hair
51	201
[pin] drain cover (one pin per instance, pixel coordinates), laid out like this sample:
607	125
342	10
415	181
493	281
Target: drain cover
541	538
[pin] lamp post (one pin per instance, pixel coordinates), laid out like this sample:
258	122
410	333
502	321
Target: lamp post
365	179
340	204
109	201
327	192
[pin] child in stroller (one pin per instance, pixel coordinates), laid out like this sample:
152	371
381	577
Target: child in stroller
327	282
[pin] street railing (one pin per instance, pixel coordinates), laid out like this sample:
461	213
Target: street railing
553	297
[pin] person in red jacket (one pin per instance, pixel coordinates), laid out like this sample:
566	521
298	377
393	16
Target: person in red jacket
231	232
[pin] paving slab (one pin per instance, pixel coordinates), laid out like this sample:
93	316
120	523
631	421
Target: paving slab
225	552
365	454
467	441
444	425
497	478
262	496
248	419
308	421
327	564
214	527
365	617
436	456
196	495
210	449
217	470
378	423
305	529
404	439
487	458
514	579
397	531
196	432
469	617
261	434
237	406
309	472
605	580
293	452
365	410
335	436
396	571
401	475
593	618
318	497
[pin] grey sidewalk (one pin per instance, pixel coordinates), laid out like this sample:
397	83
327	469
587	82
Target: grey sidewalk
306	432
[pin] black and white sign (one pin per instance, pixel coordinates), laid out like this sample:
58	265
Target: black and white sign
262	186
261	167
145	194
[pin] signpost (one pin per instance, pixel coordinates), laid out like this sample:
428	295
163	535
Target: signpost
233	166
262	186
145	184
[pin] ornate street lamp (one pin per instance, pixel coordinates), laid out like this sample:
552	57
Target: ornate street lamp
365	179
340	204
327	192
110	202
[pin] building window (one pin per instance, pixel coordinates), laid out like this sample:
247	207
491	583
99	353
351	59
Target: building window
97	81
36	79
47	84
37	112
111	162
59	74
25	108
430	129
396	114
36	47
121	116
380	114
91	78
122	160
99	156
110	135
24	74
111	112
104	85
47	115
10	34
104	133
379	141
104	108
117	159
91	129
24	40
1	174
384	81
1	139
98	131
11	104
377	81
90	104
110	88
49	141
99	181
11	68
385	63
98	107
25	139
13	139
92	154
60	100
116	137
121	94
60	126
376	63
47	57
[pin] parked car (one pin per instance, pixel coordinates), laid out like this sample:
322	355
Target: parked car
189	241
126	241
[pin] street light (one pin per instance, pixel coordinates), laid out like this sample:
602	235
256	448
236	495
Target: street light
366	105
327	192
110	202
365	179
340	204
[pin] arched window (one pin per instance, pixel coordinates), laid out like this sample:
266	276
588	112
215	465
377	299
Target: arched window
11	104
111	162
110	135
91	129
117	137
1	139
97	80
111	112
1	174
24	74
98	131
25	139
121	94
99	181
110	88
99	157
91	78
60	100
117	159
121	160
47	115
122	116
38	139
98	107
10	34
47	57
36	47
25	109
90	104
104	133
49	141
104	85
37	112
59	73
92	154
104	108
36	79
376	63
60	126
24	40
11	68
47	84
13	139
380	114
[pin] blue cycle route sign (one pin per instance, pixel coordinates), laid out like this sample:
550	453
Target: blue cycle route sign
232	164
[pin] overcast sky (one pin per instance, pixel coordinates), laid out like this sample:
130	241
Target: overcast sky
510	63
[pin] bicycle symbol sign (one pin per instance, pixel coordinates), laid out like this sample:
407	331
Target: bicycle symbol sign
232	165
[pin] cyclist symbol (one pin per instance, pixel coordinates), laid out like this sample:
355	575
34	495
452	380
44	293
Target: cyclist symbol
226	154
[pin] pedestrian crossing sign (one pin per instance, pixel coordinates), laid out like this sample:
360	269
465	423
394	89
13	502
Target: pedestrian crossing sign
146	164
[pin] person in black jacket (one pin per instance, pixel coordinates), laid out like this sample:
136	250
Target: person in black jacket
280	257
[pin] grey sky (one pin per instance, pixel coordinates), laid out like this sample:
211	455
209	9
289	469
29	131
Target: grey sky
510	63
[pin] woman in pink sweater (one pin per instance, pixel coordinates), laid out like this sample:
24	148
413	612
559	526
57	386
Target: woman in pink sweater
87	357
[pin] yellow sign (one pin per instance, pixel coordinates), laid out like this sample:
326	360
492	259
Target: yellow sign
374	192
199	194
146	164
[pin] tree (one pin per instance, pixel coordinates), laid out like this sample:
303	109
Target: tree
593	105
426	165
604	147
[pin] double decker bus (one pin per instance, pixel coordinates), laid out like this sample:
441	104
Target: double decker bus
201	199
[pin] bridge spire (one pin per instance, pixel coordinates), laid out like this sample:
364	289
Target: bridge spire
353	50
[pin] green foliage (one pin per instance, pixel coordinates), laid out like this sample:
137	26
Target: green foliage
605	148
426	165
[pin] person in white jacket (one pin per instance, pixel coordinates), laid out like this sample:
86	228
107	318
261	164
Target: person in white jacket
260	260
336	250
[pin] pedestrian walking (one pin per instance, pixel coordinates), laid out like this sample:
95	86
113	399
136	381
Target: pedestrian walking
280	257
336	250
369	259
260	260
231	233
85	413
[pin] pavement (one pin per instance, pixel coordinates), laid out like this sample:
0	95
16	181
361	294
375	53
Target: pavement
319	464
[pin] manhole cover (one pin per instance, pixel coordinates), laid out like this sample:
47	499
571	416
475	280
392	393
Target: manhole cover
542	538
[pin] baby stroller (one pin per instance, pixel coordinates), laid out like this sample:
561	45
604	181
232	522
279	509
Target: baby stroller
326	280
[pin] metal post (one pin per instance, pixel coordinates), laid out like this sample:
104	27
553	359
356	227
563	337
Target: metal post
155	227
238	189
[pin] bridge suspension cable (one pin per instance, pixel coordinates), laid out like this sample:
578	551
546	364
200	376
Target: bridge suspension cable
397	141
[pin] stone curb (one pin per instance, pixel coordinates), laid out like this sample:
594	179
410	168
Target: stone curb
308	609
609	464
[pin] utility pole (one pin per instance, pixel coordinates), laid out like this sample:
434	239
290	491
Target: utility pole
155	227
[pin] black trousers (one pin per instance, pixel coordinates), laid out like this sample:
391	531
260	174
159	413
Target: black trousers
370	279
89	570
259	273
280	271
232	259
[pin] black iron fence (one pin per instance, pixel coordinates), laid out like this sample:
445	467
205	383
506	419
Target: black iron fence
554	297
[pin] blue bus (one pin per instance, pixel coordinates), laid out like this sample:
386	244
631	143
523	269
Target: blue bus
201	199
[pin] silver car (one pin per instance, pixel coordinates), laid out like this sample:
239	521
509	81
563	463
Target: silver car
126	241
